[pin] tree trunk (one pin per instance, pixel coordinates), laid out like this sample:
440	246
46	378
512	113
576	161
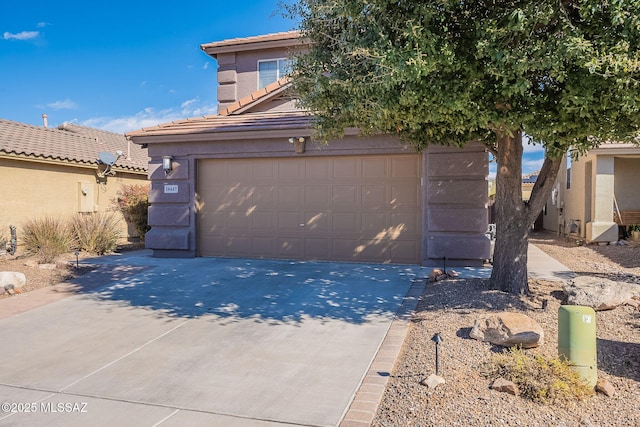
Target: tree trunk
509	272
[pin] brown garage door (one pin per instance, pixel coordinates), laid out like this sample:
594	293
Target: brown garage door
352	208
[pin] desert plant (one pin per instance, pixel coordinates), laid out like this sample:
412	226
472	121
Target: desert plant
133	203
96	233
540	379
47	238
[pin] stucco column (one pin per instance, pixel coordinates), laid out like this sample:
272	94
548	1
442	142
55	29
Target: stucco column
602	228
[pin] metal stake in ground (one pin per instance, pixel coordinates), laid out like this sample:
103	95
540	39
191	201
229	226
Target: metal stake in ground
437	339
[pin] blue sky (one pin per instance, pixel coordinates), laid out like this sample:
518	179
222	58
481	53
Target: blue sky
123	65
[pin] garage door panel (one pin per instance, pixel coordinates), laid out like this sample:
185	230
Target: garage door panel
317	222
238	245
408	167
289	222
408	223
291	196
344	222
265	196
351	208
264	222
374	167
290	247
344	196
238	220
317	248
288	170
406	195
403	251
317	196
374	196
346	168
264	246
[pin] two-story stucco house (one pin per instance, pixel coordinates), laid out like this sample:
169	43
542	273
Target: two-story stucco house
250	182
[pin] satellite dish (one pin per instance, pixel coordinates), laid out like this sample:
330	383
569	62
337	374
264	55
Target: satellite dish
107	158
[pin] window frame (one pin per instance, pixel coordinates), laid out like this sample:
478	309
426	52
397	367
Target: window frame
278	61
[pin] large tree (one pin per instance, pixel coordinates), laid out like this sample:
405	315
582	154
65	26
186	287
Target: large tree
565	72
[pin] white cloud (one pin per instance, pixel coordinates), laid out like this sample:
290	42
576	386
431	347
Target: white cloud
150	117
42	24
205	66
531	165
23	35
66	104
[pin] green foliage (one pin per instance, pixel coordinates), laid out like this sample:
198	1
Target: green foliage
565	72
540	379
47	238
96	233
133	203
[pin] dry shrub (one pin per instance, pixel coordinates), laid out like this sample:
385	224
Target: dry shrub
96	233
47	238
133	203
543	380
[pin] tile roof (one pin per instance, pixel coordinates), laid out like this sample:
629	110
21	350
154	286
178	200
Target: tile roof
218	124
68	143
243	43
270	90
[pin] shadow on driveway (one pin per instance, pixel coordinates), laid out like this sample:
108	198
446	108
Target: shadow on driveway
263	290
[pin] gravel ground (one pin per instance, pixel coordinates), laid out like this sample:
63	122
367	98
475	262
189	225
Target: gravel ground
450	308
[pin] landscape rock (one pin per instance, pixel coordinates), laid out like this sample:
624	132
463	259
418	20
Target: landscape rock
505	386
508	329
433	381
434	274
47	266
599	293
14	278
603	386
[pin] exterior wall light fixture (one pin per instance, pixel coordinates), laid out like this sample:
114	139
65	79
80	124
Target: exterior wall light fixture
298	143
167	164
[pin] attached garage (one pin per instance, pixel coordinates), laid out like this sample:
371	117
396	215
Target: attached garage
237	187
344	208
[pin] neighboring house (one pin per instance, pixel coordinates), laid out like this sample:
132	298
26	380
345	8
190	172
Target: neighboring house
55	172
594	191
250	182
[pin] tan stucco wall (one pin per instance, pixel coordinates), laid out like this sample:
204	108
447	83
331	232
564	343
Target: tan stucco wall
596	176
627	183
30	190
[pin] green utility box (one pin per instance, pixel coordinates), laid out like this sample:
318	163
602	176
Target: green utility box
577	340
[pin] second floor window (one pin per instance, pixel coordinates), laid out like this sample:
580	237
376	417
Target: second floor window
271	71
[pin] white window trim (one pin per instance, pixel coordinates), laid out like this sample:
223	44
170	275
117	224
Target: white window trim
277	61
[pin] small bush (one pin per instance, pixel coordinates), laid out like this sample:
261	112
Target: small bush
96	233
133	203
47	238
540	379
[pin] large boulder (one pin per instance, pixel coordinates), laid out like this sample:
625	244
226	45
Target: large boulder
599	293
508	329
12	279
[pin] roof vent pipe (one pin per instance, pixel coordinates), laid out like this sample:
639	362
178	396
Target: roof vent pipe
45	122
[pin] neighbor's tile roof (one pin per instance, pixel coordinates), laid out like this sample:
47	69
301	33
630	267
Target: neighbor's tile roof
263	121
68	143
258	96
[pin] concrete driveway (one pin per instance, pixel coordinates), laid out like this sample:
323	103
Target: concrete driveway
194	342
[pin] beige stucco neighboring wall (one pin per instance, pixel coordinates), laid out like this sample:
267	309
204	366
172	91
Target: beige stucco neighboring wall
627	183
599	180
31	190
